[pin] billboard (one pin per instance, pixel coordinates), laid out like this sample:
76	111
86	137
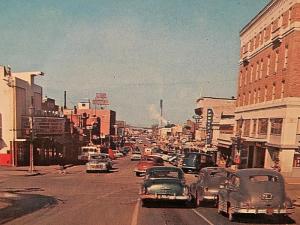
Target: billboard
101	99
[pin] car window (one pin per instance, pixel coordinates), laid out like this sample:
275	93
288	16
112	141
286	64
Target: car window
165	174
203	159
263	178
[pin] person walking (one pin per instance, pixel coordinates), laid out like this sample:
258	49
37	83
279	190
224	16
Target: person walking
61	163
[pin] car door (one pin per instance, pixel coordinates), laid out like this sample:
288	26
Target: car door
233	188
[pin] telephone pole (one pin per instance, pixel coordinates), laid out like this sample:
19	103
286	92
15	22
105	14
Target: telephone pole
31	161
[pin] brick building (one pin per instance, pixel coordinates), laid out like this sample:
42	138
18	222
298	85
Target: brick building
268	97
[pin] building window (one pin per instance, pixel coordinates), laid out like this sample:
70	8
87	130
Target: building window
263	126
285	57
246	74
268	65
282	89
244	98
296	160
273	91
258	95
276	61
254	97
276	126
249	98
254	127
246	130
290	17
241	78
265	94
257	70
261	69
251	74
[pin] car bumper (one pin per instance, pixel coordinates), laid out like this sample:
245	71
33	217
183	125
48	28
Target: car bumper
210	197
140	171
164	197
268	211
96	169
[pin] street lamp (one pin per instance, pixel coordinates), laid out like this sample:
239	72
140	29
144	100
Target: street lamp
31	111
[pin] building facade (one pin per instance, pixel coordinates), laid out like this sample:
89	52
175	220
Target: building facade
218	107
23	120
268	96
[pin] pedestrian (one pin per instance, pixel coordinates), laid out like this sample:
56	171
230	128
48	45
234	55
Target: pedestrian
61	163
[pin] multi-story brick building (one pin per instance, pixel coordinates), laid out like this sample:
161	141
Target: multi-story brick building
268	98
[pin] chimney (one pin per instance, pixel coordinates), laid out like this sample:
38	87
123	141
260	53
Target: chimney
65	99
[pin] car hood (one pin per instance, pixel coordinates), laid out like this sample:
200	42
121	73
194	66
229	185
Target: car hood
164	186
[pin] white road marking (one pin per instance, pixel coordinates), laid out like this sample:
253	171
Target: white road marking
134	219
203	217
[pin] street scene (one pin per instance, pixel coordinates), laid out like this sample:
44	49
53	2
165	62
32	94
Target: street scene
150	112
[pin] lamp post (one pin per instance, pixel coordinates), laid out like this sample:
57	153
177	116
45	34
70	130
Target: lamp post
31	115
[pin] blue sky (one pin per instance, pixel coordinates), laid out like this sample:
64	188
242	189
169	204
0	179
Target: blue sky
137	51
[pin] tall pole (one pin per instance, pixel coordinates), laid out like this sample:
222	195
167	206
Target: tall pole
161	111
31	114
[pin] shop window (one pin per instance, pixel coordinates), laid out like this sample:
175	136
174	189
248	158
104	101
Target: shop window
276	126
263	126
296	160
246	131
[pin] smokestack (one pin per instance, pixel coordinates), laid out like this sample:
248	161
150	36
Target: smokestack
161	111
65	99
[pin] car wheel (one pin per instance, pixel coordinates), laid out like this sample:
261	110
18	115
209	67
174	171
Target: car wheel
198	201
231	215
219	210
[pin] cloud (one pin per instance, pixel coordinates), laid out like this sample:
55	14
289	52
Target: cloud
155	115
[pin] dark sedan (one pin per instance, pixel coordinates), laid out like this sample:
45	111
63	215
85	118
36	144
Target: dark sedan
195	161
255	191
164	184
208	184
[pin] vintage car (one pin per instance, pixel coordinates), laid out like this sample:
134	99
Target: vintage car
146	163
164	183
97	163
208	184
117	153
195	161
255	191
135	156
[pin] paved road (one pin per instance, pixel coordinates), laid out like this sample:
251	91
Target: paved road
80	198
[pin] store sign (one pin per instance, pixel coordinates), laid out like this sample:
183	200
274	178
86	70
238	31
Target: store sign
209	130
44	126
101	99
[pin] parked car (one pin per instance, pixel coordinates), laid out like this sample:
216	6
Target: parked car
125	150
255	191
99	163
208	184
118	154
146	163
164	183
135	156
195	161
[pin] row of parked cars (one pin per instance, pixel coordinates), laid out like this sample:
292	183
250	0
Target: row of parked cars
245	191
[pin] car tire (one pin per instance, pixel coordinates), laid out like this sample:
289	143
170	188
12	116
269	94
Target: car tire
197	200
231	215
138	174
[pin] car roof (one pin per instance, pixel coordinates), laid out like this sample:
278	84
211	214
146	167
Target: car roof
162	168
256	172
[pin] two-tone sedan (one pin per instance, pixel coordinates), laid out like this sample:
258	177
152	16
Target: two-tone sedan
99	163
164	183
146	163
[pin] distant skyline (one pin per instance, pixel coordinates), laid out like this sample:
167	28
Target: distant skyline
136	51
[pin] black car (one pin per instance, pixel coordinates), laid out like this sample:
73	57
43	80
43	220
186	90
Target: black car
195	161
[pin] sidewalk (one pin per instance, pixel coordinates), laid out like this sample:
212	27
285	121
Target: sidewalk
24	170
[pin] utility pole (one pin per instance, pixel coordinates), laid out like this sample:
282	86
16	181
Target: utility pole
31	115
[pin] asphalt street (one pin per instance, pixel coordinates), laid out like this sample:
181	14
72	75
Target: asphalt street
101	198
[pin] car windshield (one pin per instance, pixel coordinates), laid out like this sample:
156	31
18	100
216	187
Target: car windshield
163	174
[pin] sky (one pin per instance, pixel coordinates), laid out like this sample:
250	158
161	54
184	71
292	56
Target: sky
136	51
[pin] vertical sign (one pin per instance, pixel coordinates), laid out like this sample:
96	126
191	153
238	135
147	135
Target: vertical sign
209	130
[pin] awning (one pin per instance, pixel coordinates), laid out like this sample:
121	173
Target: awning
224	145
